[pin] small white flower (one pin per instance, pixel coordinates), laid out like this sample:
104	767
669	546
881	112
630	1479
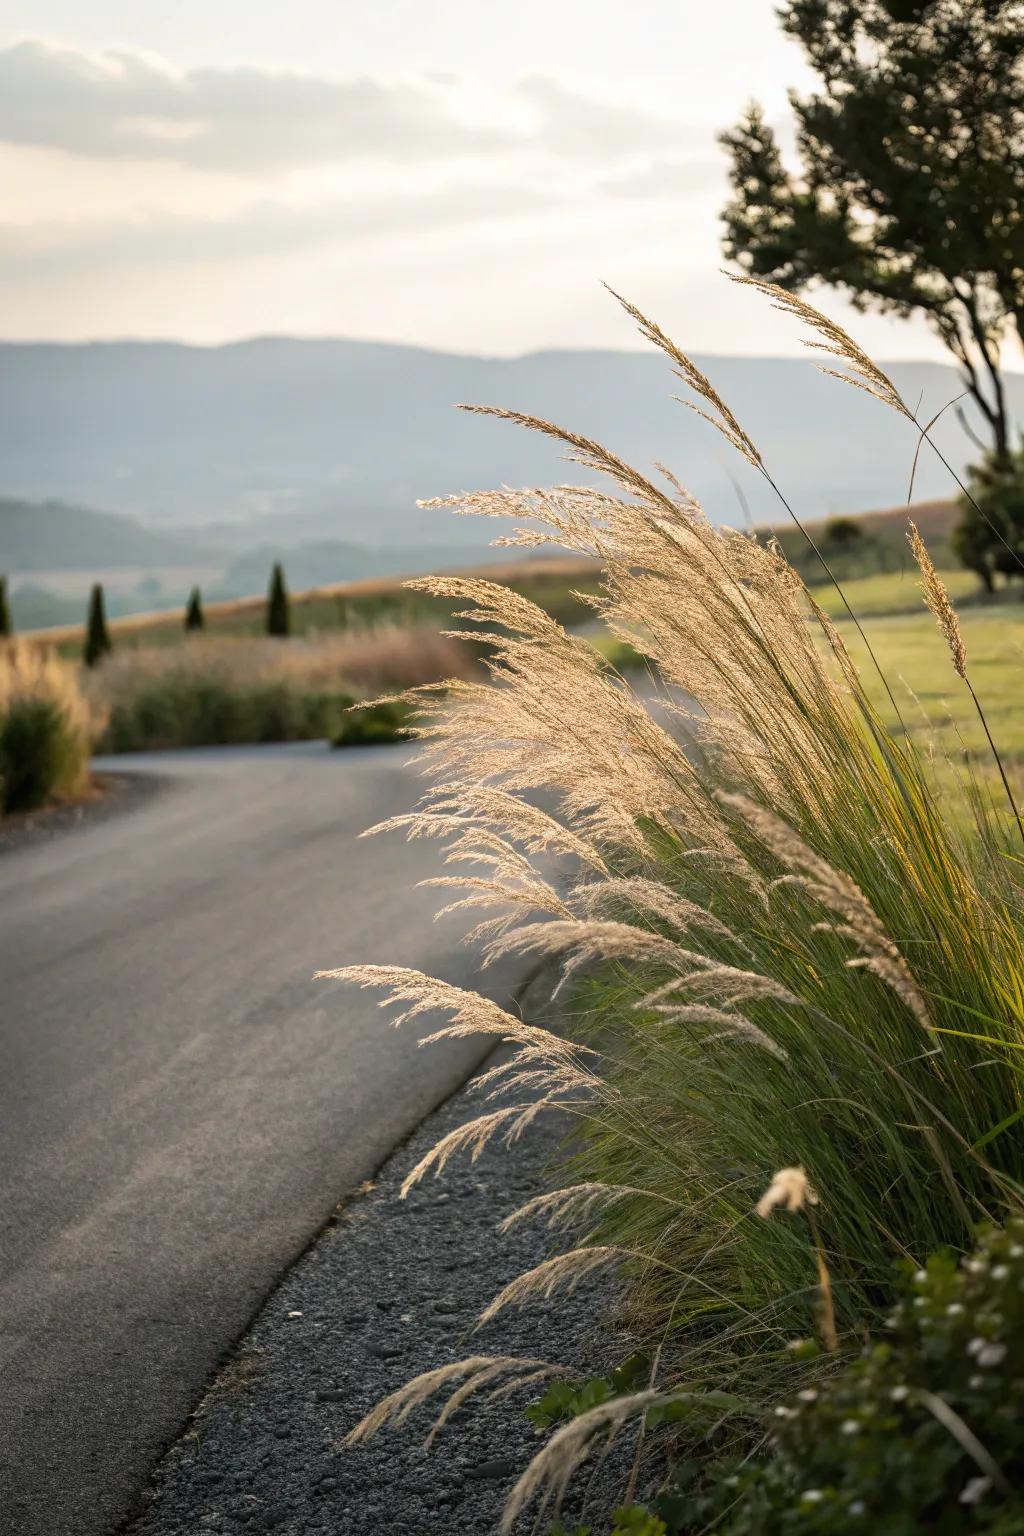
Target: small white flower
954	1309
991	1354
808	1395
899	1394
850	1427
975	1346
921	1276
1016	1251
974	1491
785	1413
1000	1271
974	1266
858	1507
812	1496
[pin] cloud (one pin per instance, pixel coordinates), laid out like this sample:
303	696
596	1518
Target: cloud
247	118
571	124
677	179
124	104
264	228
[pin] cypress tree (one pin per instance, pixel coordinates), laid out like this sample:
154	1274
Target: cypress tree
97	638
6	623
279	619
194	611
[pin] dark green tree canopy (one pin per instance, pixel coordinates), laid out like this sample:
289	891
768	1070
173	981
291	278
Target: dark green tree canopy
990	538
279	619
6	623
910	188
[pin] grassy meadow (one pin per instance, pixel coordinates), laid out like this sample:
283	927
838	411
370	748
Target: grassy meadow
937	711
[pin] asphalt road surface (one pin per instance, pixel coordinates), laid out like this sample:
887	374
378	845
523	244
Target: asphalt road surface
182	1105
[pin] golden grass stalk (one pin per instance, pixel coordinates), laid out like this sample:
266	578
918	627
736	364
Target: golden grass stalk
863	372
770	868
474	1374
939	602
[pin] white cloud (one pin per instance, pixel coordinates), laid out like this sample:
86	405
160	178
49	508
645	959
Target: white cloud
125	104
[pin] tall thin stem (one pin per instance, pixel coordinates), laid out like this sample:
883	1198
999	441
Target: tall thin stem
995	753
834	579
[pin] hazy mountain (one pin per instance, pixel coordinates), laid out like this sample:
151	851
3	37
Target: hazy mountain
335	440
40	536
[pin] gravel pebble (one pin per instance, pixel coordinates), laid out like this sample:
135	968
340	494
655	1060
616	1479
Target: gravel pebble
382	1299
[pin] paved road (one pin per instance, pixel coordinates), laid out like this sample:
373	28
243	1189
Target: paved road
182	1106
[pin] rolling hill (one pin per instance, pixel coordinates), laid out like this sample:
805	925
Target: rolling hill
279	440
42	536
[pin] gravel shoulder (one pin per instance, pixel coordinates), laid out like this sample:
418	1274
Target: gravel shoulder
111	795
390	1289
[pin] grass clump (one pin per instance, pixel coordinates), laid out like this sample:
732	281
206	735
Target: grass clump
44	729
228	690
785	947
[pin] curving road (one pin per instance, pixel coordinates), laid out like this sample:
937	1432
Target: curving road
182	1106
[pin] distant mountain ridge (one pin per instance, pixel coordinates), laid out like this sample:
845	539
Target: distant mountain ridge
304	440
36	536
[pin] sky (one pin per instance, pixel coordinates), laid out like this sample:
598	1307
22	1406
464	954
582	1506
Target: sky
450	173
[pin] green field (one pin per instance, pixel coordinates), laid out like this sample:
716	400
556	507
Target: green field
935	705
893	592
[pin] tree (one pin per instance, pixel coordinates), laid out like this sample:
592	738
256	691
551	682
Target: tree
990	536
279	620
843	533
97	638
6	622
910	191
194	618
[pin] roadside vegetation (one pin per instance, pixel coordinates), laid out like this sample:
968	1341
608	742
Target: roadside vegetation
790	953
232	689
283	668
45	728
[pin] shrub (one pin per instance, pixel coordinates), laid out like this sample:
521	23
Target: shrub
44	728
922	1432
371	724
279	618
97	637
785	949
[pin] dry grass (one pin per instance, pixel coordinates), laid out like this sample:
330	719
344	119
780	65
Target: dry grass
232	689
365	661
783	950
46	724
